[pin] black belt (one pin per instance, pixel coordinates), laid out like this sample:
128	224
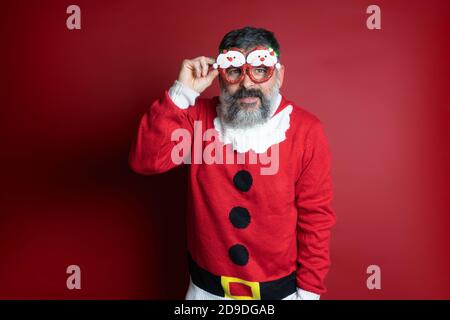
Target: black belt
220	285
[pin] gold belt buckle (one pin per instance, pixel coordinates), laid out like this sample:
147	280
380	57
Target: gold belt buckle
254	286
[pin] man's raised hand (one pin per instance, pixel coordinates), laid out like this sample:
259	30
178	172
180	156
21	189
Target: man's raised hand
194	73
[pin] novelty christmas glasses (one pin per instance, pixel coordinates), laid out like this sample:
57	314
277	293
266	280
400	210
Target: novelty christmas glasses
259	64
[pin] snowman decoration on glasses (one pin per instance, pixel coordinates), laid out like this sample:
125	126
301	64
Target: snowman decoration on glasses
259	64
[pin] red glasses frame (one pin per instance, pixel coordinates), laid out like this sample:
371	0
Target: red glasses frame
246	69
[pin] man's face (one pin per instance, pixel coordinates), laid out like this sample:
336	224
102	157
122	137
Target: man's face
247	103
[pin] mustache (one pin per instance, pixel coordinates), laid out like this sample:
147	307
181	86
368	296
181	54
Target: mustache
250	93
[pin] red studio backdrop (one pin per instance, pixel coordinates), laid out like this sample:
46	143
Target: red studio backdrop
71	101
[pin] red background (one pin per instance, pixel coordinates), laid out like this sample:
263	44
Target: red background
71	102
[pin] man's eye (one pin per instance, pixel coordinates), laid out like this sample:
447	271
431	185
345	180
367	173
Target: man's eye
234	71
261	70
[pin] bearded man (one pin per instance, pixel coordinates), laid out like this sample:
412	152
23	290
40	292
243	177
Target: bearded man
250	235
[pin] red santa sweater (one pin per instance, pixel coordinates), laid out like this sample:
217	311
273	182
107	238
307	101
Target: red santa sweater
244	222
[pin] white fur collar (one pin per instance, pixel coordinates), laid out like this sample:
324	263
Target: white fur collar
260	137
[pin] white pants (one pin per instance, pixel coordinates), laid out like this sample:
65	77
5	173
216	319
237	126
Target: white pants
196	293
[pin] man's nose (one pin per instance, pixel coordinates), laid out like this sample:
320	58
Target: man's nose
247	82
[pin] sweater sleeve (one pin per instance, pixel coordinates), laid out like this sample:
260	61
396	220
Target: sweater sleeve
152	148
314	194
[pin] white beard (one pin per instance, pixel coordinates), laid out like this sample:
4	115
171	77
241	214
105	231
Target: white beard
236	117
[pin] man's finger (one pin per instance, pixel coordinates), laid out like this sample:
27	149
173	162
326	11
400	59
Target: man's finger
204	67
214	73
210	60
197	68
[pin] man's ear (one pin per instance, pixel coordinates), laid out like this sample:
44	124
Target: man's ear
281	75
